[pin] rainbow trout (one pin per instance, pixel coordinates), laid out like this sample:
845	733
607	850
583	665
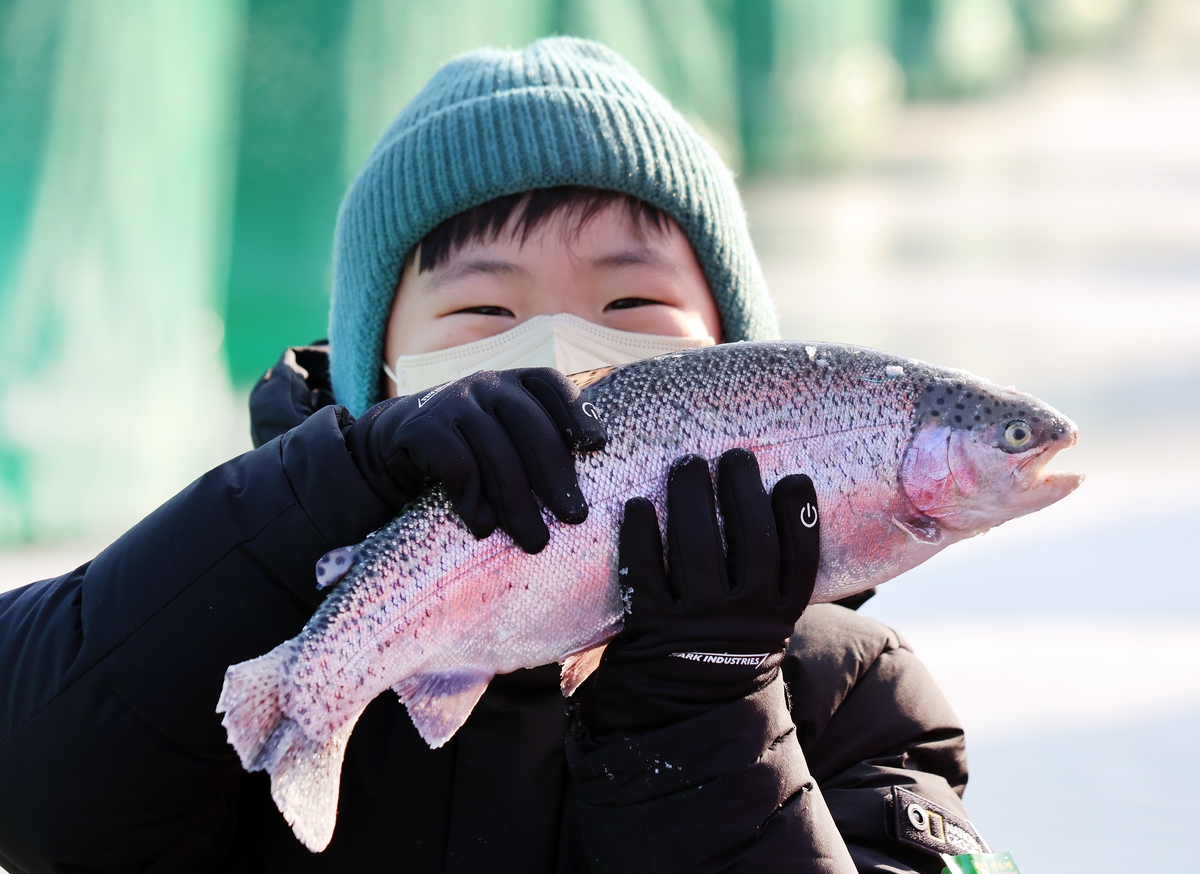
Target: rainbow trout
906	459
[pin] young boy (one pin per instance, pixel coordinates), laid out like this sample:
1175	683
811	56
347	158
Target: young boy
530	209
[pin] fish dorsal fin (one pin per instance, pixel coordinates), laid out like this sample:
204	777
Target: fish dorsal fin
578	666
439	703
921	529
587	377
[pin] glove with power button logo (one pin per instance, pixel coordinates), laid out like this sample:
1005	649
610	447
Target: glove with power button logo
710	626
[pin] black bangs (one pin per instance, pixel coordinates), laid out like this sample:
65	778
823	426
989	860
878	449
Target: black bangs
532	209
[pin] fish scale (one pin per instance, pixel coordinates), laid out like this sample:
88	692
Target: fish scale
433	613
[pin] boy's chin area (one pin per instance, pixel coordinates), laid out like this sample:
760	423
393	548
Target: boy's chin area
606	270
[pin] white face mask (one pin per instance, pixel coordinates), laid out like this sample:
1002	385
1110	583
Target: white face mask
564	342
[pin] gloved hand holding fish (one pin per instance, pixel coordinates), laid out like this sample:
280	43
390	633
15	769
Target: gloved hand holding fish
905	459
711	624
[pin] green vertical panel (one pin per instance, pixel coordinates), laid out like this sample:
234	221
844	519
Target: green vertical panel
28	43
625	26
831	82
953	48
684	48
753	24
28	39
113	394
394	46
912	44
977	45
697	48
289	180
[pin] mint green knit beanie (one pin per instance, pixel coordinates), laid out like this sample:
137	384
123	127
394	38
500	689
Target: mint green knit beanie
563	111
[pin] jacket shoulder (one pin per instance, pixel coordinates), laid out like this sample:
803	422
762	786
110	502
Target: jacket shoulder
873	723
831	650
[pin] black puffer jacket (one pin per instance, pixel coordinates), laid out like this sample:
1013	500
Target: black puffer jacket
113	759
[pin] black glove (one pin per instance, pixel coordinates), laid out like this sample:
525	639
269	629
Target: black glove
291	391
712	627
494	439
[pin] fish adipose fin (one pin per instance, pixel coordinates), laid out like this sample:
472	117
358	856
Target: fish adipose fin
440	703
305	772
920	529
578	666
335	564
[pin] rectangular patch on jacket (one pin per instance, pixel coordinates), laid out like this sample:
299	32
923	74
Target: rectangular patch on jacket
980	863
919	822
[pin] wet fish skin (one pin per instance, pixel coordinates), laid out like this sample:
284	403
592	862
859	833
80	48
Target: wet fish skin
906	459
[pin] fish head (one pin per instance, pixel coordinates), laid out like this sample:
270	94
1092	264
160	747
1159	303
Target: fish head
978	457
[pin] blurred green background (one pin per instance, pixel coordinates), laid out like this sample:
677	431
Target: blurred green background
170	174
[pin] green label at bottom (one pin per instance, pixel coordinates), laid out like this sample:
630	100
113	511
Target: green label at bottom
980	863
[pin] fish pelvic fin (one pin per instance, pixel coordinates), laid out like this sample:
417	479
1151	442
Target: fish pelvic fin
920	529
439	703
305	772
578	666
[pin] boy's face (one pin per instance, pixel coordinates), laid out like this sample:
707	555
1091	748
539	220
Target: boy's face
607	272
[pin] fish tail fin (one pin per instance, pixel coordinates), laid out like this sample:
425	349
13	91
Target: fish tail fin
305	772
250	700
306	776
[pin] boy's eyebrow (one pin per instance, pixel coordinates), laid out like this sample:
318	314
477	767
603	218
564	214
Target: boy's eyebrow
478	265
632	257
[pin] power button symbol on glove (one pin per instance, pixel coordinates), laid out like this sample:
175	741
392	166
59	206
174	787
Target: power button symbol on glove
590	410
808	516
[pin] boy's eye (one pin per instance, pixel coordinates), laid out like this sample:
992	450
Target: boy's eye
485	311
628	303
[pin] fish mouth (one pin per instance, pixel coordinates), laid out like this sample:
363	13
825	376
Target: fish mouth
994	486
1032	473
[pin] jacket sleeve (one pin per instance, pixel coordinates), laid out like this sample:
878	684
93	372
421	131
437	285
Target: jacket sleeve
737	788
870	718
112	757
728	790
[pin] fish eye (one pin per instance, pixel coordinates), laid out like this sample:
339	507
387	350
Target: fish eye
1017	434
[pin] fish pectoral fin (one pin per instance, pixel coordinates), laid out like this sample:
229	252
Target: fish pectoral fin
439	703
578	666
921	529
